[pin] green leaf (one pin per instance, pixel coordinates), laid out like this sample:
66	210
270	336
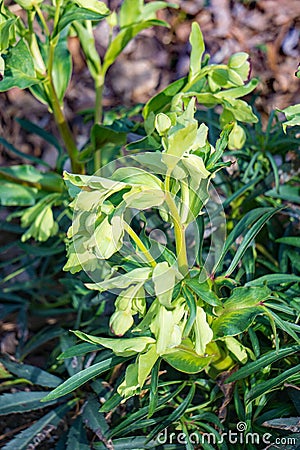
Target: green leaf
82	377
36	129
28	4
185	359
92	418
102	135
192	305
289	240
163	99
197	43
221	145
123	38
122	281
203	291
286	192
274	279
12	194
77	438
153	392
23	155
236	348
175	415
130	443
7	31
203	332
162	123
249	236
79	350
19	68
20	402
237	92
264	361
108	237
121	347
292	114
164	277
239	311
166	329
87	42
130	11
149	9
136	176
62	66
271	384
31	373
178	142
94	6
81	10
26	437
147	143
146	362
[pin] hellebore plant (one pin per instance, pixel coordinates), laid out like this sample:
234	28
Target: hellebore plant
168	309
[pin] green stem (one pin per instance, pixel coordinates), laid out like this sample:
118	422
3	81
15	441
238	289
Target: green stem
64	129
59	117
99	85
42	19
178	229
139	244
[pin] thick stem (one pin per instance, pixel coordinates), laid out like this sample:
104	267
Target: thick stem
178	230
64	129
139	244
60	119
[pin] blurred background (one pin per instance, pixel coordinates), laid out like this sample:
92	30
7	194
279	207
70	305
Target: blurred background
266	29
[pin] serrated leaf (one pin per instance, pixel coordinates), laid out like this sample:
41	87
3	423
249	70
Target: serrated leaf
50	420
92	418
20	402
77	438
31	373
